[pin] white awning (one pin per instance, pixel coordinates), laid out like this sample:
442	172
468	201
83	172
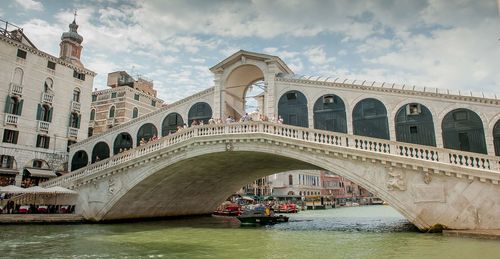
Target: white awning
8	171
41	173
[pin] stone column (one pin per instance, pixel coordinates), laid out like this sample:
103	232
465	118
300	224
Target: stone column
218	103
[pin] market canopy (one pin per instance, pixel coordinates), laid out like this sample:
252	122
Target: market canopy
60	190
12	189
41	173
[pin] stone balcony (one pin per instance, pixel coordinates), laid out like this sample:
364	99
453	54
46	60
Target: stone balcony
11	119
91	124
110	122
43	126
47	98
75	106
72	133
15	89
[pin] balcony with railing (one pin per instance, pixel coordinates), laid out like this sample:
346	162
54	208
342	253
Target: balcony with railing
43	126
47	98
75	106
11	119
72	133
110	122
15	89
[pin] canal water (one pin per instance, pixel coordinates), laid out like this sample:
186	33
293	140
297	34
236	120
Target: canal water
356	232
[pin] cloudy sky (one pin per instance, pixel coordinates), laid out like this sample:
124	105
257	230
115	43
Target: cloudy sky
446	44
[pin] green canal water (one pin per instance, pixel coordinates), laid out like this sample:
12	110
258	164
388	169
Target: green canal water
357	232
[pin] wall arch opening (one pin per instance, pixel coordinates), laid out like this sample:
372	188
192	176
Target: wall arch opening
414	124
123	142
146	133
170	123
330	114
100	152
496	138
369	118
462	129
292	108
200	111
80	159
243	81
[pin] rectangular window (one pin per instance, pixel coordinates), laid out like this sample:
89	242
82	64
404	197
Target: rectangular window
136	97
94	97
21	53
328	99
413	130
413	109
10	136
113	95
460	115
77	75
42	141
153	103
51	65
291	96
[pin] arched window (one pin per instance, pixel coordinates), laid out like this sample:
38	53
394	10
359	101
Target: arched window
290	179
463	130
292	107
122	142
329	114
13	105
100	152
496	138
92	114
200	111
74	120
414	124
47	86
170	123
369	118
111	112
76	95
18	76
146	133
7	162
80	159
135	113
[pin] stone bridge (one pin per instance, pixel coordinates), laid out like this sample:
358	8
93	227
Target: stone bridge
432	154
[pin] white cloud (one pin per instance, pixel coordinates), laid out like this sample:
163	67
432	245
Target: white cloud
31	5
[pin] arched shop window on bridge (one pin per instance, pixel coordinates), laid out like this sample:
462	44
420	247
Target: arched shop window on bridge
122	142
170	123
496	138
80	159
463	130
201	112
146	133
414	124
369	118
329	114
292	107
100	152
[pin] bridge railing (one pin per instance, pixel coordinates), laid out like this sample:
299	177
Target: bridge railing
399	149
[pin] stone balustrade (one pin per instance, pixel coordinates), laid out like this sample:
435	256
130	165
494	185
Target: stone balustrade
75	106
43	126
396	150
47	98
72	133
11	119
16	89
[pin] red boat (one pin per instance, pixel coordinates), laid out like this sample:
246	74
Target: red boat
228	209
287	208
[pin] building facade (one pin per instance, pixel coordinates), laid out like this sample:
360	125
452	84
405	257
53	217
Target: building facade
296	183
35	87
126	99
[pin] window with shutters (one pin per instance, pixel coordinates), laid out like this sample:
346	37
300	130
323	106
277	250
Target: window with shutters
92	114
21	53
74	120
136	97
13	105
94	97
76	95
10	136
113	95
111	112
44	113
42	141
51	65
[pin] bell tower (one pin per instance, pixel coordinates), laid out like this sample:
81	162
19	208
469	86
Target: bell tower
70	46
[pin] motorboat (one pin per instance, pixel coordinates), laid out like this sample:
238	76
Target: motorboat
260	216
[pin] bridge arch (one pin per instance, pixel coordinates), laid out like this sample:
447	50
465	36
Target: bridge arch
330	113
123	141
145	133
170	123
80	159
369	118
462	129
292	107
414	124
496	138
200	111
100	151
164	178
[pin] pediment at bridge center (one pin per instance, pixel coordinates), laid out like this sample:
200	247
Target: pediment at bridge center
244	57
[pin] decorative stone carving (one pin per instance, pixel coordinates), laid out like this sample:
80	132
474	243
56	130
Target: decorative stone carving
114	185
395	180
229	146
427	178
